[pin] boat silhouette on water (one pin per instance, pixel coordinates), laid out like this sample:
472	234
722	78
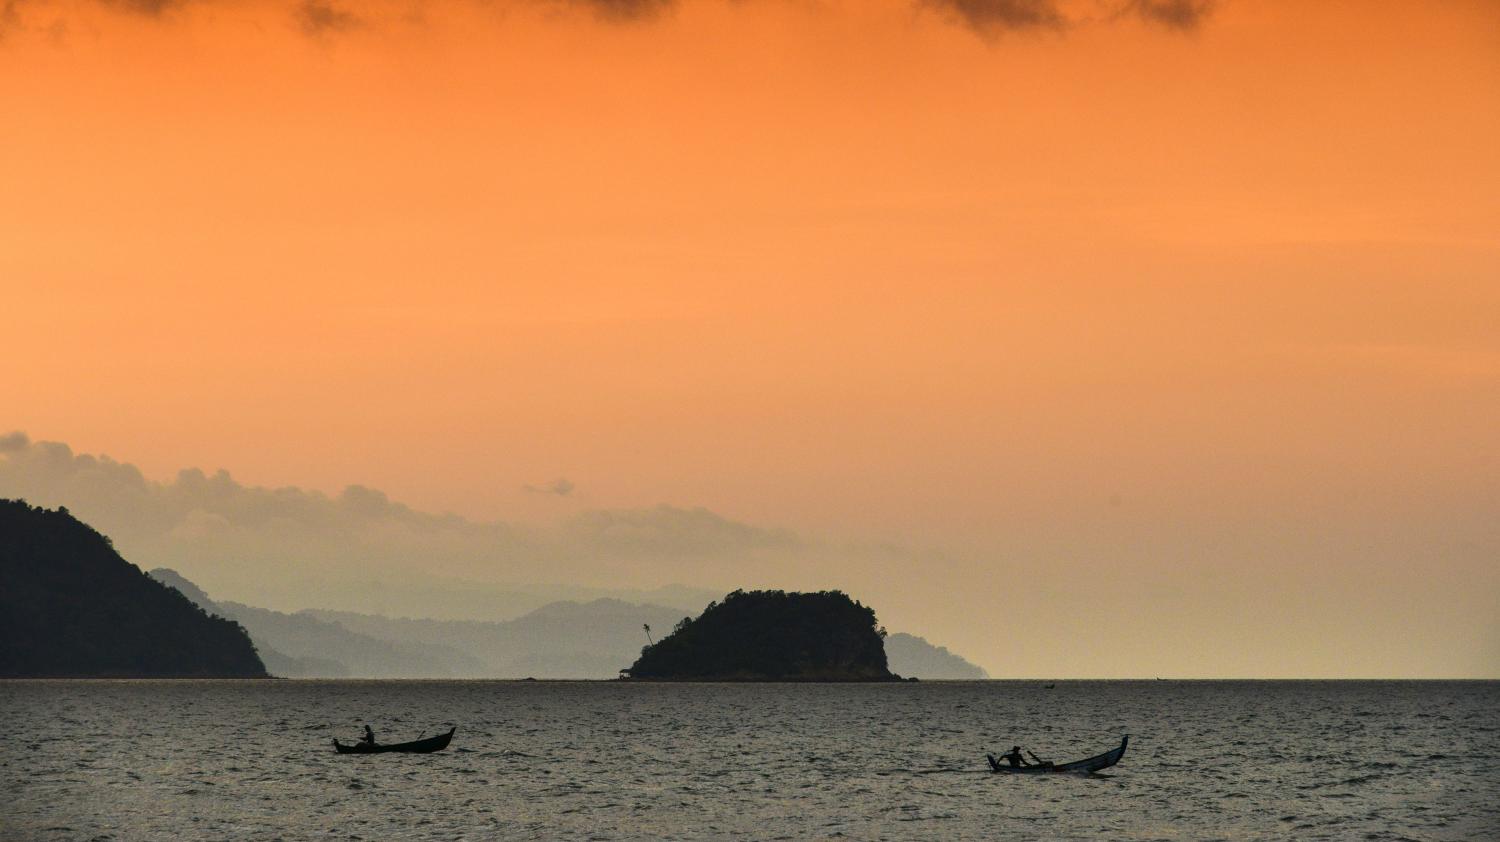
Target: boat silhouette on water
1091	764
424	746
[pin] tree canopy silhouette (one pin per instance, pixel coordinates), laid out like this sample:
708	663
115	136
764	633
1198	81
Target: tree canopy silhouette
71	606
772	636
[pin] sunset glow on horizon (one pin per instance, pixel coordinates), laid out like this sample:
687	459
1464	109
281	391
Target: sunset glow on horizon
1182	314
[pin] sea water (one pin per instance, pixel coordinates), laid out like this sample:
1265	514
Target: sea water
253	760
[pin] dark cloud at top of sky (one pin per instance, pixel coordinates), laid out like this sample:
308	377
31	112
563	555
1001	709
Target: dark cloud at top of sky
1174	14
325	17
990	16
10	16
624	10
319	17
145	7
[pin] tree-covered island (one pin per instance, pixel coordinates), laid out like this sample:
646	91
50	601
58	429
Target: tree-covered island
771	636
70	606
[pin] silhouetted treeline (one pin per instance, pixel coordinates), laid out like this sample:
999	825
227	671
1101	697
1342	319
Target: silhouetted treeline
772	636
71	606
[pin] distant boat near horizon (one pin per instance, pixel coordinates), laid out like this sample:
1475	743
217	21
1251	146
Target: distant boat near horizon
422	746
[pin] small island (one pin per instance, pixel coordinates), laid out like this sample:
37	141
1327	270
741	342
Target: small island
771	636
71	607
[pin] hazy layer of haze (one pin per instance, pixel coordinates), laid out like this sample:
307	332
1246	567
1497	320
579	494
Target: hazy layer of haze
289	549
1083	337
1270	613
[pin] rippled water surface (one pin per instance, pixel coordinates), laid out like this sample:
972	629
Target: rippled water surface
1238	760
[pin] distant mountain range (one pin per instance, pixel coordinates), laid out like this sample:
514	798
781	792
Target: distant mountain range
302	646
912	656
560	640
565	639
456	599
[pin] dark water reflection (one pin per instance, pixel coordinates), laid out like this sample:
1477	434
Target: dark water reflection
1223	760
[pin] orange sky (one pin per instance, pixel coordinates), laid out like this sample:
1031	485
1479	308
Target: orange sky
1106	299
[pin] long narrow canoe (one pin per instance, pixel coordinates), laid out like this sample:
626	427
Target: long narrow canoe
1092	764
426	746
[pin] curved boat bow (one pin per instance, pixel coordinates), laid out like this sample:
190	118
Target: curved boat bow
1090	764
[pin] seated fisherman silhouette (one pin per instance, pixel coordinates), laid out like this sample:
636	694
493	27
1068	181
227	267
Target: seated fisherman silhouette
369	738
1015	759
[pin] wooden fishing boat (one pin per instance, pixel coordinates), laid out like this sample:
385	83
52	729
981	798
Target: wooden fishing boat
1091	764
426	746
